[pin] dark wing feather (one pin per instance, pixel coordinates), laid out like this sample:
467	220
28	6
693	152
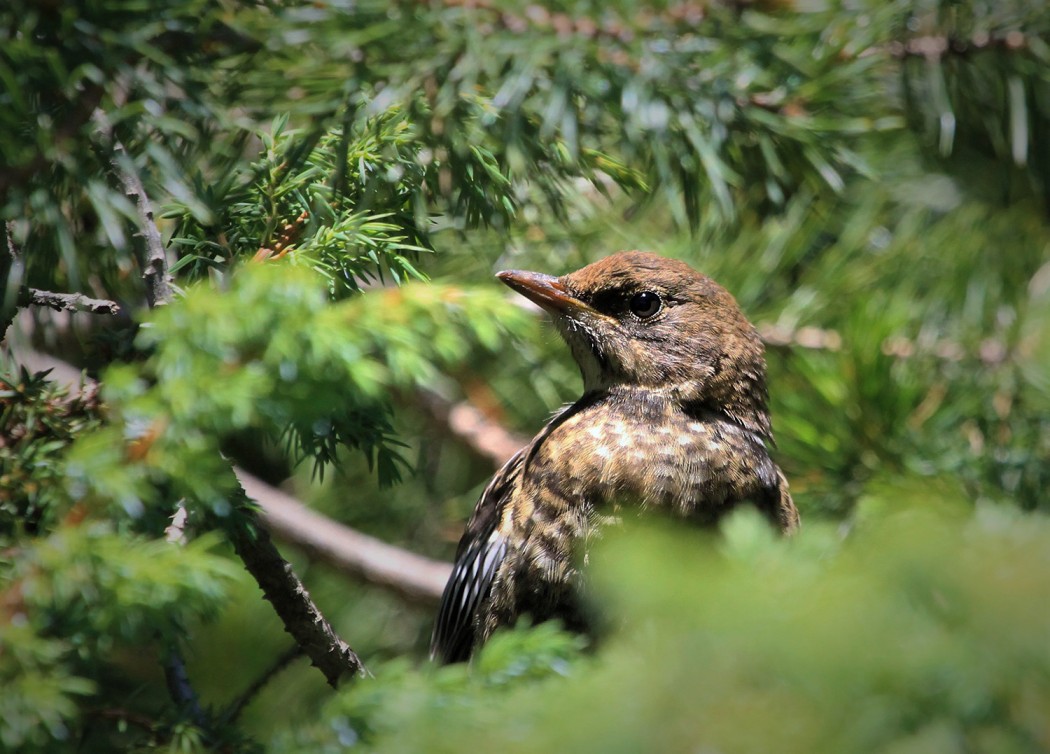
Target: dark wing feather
480	553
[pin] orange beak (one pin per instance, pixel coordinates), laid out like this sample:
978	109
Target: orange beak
544	290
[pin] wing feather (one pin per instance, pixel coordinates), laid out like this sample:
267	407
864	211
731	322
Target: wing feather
481	551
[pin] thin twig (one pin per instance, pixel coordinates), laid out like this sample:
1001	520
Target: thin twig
176	678
11	271
153	259
237	705
9	238
154	264
814	338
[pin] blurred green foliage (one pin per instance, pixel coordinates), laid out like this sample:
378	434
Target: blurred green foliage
336	182
925	630
40	419
286	363
89	596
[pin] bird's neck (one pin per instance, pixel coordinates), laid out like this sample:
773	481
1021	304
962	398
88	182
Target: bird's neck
747	408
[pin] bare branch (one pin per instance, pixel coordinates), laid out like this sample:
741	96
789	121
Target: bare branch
991	351
290	599
404	573
180	688
274	575
9	238
12	270
153	259
284	660
69	302
483	435
176	677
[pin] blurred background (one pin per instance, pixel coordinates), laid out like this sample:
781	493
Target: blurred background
331	187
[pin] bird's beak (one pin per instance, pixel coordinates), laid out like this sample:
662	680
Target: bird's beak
545	290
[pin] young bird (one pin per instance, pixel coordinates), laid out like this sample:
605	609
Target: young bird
673	416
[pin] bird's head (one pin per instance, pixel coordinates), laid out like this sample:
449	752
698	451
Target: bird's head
636	319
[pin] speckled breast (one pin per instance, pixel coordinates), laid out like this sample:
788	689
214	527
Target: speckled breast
651	453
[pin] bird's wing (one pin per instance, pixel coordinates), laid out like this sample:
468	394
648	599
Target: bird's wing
481	551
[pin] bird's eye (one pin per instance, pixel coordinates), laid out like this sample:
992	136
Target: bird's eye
645	304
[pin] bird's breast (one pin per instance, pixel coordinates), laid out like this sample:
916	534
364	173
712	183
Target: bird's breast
648	455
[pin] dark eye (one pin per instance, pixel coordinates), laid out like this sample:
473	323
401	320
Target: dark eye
645	304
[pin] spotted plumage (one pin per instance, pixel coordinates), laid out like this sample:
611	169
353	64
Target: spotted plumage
673	417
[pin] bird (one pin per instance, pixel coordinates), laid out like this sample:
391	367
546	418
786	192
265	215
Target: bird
673	417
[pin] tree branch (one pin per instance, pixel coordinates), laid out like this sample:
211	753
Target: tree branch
69	302
153	259
404	573
9	239
179	687
237	705
290	599
12	270
175	533
484	436
154	264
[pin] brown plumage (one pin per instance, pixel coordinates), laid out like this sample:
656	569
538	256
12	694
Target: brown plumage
673	416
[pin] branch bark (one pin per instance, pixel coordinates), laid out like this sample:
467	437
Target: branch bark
69	302
411	576
290	599
154	264
153	258
179	687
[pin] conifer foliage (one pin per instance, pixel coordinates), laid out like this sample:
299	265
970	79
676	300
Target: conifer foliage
265	231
